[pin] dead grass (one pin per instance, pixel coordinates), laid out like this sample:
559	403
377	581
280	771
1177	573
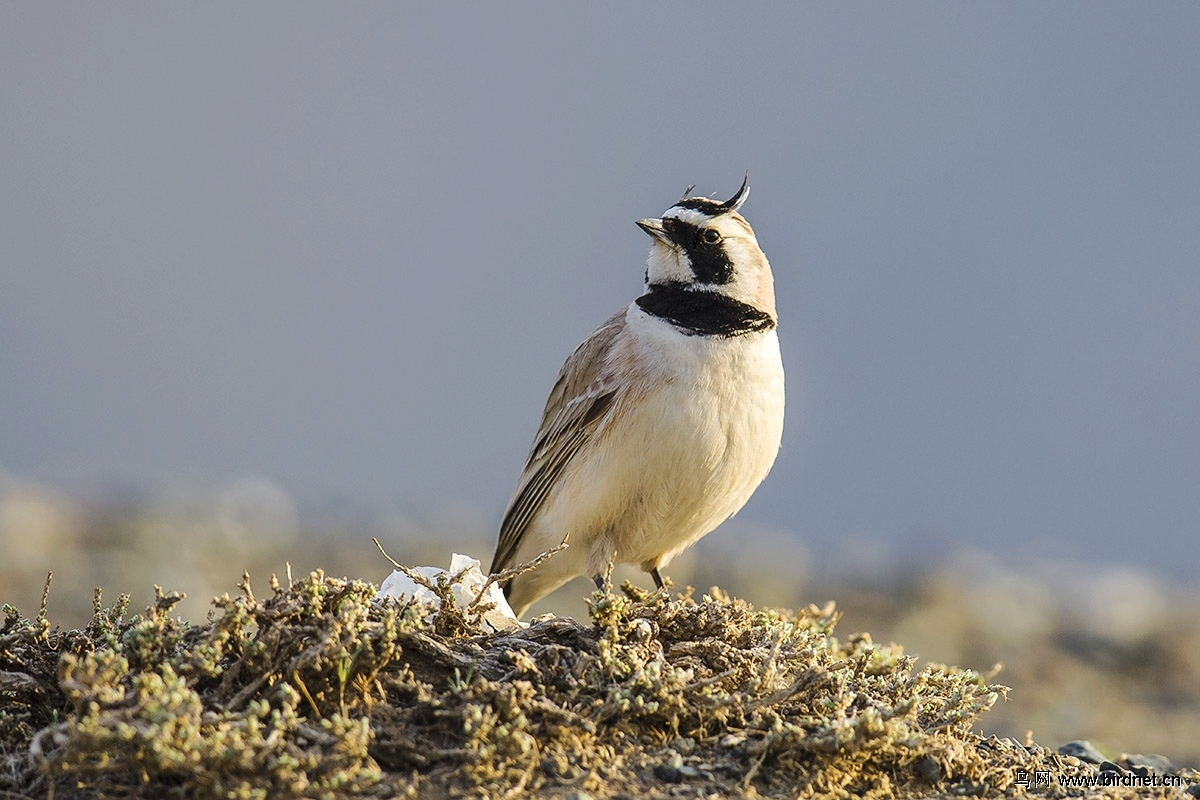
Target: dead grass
318	691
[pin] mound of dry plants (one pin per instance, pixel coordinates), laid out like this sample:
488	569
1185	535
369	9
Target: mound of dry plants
317	690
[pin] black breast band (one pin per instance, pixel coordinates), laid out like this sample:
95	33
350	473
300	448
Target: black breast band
703	313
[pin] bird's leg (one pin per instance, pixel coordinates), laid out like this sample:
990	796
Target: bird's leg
603	580
658	579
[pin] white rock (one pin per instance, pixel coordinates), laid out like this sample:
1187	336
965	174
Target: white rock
400	586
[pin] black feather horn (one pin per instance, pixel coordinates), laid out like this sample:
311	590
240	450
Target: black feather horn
735	202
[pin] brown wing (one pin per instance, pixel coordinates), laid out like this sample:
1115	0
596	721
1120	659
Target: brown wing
575	410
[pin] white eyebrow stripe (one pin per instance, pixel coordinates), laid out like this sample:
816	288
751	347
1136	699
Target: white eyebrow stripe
688	215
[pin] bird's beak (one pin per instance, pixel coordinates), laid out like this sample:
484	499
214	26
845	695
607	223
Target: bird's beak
654	227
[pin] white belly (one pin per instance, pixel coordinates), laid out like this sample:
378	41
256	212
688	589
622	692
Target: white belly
678	458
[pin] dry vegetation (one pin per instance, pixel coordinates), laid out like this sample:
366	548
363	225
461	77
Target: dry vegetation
1104	651
318	691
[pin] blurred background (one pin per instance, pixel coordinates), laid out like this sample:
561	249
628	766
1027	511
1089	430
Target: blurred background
279	278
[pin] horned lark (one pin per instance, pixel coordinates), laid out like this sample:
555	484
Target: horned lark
665	420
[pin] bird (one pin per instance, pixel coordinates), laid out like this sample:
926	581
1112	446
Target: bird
664	421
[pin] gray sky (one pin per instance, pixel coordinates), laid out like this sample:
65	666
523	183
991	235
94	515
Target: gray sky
347	247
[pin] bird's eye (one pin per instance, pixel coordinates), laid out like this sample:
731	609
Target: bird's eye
710	236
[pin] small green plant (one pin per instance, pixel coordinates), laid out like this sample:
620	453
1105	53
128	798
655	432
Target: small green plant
320	691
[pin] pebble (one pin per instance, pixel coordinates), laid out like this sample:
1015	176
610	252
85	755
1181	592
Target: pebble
642	631
684	745
1159	765
928	770
668	774
732	740
670	770
1083	750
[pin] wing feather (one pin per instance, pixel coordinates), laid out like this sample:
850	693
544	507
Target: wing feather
576	409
